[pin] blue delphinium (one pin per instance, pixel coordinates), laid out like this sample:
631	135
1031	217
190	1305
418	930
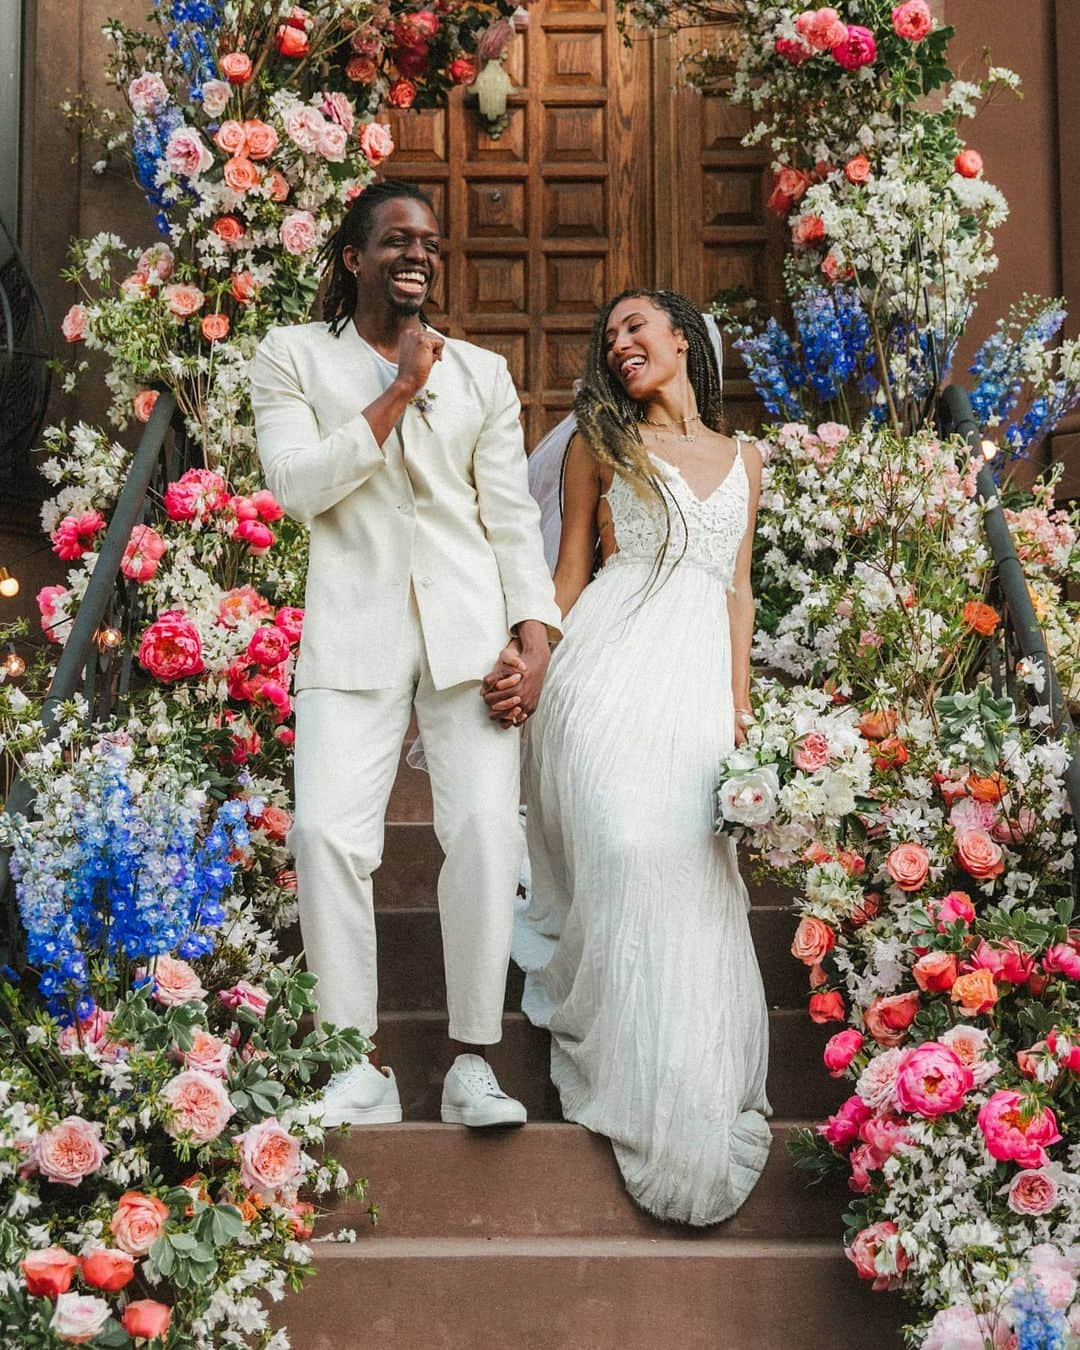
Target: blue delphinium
774	369
190	25
1000	361
125	875
1037	1325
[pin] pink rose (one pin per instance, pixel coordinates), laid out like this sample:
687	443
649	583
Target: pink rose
236	67
338	108
269	646
146	1319
299	233
1012	1134
215	97
171	648
200	1106
142	554
186	154
1032	1191
908	865
821	28
182	301
209	1054
269	1158
333	143
260	138
304	126
69	1151
956	907
842	1128
73	325
1061	959
148	94
143	404
79	1317
137	1222
888	1019
932	1081
107	1268
195	495
968	164
841	1049
231	138
857	50
935	972
48	1271
245	995
912	20
876	1085
876	1257
978	855
811	752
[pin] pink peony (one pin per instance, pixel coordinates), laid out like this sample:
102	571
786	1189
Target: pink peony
49	602
822	29
290	620
142	554
811	752
195	495
148	94
862	1161
1032	1191
69	1151
912	20
186	154
48	1271
841	1049
266	505
90	1036
1062	959
857	50
74	323
176	982
1012	1133
299	233
245	995
884	1136
269	646
79	1317
908	865
338	108
793	51
961	1328
932	1080
171	648
137	1222
269	1158
876	1257
258	537
842	1128
200	1106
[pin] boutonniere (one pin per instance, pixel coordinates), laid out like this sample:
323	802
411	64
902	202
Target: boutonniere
424	402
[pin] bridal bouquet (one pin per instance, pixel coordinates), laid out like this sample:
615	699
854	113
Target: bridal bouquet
153	1132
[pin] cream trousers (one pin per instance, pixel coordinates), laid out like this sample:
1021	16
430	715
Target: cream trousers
347	747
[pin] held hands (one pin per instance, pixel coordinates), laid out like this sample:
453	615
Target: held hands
512	688
418	350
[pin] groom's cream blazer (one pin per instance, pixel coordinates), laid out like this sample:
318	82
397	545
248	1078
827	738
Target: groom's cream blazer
443	506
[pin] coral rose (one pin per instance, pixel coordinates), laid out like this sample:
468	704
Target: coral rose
269	1158
888	1019
841	1049
912	20
891	753
243	288
277	185
808	230
48	1271
978	854
146	1319
74	323
376	143
275	822
137	1222
291	42
142	405
462	70
231	137
240	174
975	992
877	1258
932	1080
827	1007
814	939
236	67
182	301
1032	1191
968	164
935	972
857	170
261	139
200	1106
980	618
79	1317
401	94
107	1268
171	648
987	788
69	1151
908	865
878	724
215	327
858	49
1016	1129
228	228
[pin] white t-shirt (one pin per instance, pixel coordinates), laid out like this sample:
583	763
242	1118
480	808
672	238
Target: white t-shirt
387	370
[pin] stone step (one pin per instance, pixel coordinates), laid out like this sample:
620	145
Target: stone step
587	1294
411	963
415	1044
412	858
546	1180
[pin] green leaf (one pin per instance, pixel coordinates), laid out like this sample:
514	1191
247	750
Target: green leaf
111	1334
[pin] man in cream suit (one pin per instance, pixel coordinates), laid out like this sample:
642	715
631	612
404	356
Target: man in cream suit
402	452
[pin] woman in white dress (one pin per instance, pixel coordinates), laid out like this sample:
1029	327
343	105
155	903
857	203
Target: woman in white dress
636	939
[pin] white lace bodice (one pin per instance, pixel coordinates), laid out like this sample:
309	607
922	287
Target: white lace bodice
711	530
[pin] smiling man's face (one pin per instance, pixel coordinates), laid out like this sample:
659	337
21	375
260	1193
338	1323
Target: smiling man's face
400	262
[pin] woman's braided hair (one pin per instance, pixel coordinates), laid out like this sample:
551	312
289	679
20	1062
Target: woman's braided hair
607	417
339	301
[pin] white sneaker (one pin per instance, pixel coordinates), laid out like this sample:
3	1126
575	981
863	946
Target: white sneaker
362	1095
472	1096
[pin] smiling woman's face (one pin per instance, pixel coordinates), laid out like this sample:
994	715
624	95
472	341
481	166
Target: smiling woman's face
644	352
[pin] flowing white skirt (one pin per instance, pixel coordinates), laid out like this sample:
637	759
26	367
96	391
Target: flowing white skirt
635	936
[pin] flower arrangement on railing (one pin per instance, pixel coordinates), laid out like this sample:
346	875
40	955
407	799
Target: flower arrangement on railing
156	1109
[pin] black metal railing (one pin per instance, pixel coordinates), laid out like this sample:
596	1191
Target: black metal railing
1023	635
112	605
25	352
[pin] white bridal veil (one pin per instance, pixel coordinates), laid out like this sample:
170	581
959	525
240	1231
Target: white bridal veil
546	463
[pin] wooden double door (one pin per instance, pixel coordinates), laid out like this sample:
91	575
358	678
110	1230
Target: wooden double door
607	176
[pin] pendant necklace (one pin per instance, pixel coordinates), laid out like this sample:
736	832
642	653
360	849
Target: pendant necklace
686	435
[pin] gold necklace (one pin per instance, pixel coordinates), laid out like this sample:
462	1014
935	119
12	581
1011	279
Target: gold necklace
687	436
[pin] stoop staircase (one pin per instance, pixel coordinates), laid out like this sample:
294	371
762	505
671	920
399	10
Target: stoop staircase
525	1239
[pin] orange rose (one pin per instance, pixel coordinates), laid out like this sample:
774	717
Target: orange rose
990	788
980	618
857	170
145	1319
975	992
875	726
240	174
891	754
814	939
826	1007
935	972
214	327
107	1268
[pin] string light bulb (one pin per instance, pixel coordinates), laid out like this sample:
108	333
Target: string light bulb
9	585
14	665
989	450
108	639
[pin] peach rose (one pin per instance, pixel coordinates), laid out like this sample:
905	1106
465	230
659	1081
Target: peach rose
975	992
176	982
48	1271
822	29
183	300
231	137
240	174
908	865
888	1019
137	1222
978	855
858	170
236	67
215	327
401	94
146	1319
1033	1191
143	404
261	138
171	649
814	939
107	1268
299	233
208	1053
69	1151
808	230
269	1158
276	822
935	972
74	323
79	1317
200	1106
277	186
